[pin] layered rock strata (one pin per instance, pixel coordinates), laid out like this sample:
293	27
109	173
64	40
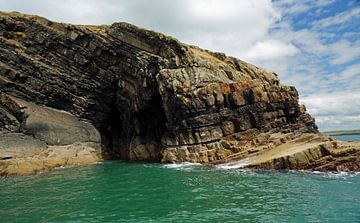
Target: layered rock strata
150	97
306	151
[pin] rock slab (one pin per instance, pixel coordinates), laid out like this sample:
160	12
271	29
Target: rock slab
140	95
37	138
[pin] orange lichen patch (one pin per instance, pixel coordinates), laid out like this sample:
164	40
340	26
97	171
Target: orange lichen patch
247	84
253	83
226	89
238	86
243	86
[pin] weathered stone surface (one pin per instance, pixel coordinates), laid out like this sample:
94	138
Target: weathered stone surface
317	156
37	138
50	158
49	125
150	97
19	145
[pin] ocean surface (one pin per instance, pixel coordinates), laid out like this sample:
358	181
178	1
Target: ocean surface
355	137
120	191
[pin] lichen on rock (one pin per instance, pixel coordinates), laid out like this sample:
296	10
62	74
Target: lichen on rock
141	95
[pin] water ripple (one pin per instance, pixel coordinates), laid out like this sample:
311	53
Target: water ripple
130	192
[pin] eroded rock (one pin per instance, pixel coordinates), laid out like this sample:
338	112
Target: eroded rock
43	138
141	95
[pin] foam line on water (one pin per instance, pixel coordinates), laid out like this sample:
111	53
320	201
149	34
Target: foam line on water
339	174
234	165
184	165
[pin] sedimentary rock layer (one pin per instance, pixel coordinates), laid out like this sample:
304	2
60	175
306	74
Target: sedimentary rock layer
150	97
306	151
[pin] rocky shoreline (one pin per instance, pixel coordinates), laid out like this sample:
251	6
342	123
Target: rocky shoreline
37	139
76	94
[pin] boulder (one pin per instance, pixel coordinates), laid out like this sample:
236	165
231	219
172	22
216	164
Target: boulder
37	138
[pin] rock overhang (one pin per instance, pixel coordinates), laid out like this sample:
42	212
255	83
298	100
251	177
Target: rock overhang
96	72
150	96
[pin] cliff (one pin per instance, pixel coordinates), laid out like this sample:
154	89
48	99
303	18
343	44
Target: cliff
131	93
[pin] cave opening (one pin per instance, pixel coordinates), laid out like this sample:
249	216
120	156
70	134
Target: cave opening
134	135
111	132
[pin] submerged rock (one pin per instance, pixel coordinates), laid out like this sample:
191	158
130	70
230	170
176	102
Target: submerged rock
141	95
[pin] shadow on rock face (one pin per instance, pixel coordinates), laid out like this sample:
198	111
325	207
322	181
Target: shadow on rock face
135	136
141	95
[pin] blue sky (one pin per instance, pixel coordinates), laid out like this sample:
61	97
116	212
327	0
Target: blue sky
312	44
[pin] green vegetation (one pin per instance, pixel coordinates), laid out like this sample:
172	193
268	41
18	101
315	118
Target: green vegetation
343	132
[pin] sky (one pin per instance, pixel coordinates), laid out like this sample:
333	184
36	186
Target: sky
313	45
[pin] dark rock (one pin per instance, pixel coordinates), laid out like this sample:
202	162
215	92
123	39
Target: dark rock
149	96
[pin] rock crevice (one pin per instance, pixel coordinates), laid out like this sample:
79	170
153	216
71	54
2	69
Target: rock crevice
149	97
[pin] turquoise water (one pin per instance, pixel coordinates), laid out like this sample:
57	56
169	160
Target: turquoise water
136	192
133	192
348	137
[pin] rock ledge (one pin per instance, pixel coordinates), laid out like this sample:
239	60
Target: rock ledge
77	94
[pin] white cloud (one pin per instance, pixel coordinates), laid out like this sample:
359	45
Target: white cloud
291	7
230	26
69	11
344	51
270	49
213	9
338	18
351	72
335	109
347	103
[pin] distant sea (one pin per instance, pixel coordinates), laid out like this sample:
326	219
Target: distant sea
118	191
353	137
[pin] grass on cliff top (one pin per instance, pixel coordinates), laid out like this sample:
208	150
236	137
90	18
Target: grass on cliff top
343	132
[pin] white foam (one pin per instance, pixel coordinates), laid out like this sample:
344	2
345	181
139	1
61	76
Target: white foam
234	165
184	165
338	174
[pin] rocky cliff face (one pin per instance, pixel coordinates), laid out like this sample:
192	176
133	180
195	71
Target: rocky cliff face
150	97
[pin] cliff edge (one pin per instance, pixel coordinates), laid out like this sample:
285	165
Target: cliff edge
122	92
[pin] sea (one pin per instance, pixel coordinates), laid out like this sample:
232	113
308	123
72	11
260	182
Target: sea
119	191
